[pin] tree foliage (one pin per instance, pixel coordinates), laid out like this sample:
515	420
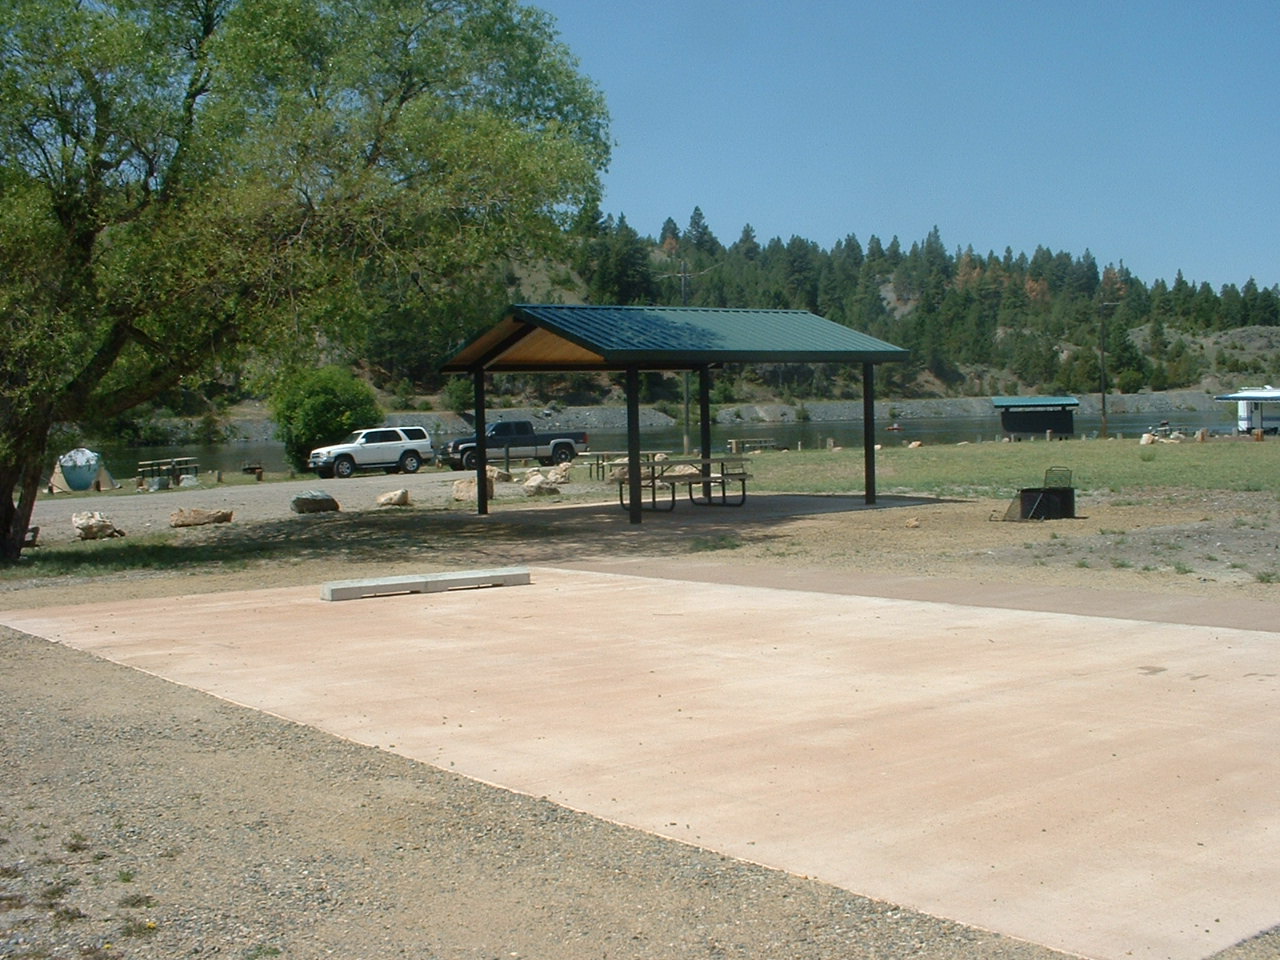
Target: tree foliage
182	181
314	408
972	322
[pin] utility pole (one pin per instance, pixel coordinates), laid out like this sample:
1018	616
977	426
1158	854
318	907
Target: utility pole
1102	357
684	302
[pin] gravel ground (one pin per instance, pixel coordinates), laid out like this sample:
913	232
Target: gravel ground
140	819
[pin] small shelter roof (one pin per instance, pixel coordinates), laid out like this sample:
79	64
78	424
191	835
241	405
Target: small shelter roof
1261	394
533	337
1033	403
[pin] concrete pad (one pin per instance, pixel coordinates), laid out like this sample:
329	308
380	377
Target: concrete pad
1098	785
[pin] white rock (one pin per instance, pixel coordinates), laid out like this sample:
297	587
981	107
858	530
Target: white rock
92	525
536	485
464	489
394	498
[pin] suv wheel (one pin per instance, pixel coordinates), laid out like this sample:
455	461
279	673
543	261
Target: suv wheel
410	462
344	467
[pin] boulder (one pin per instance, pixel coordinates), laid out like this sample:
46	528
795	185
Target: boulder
496	475
394	498
536	485
92	525
464	489
189	480
197	517
915	444
682	470
1146	439
560	472
313	501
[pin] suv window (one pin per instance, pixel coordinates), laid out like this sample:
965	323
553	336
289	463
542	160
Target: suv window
382	436
414	433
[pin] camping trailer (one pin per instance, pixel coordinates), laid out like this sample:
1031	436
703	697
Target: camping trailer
1257	408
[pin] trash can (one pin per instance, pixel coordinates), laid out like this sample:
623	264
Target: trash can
1047	503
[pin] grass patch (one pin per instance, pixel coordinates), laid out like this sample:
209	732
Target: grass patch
1001	469
138	928
724	541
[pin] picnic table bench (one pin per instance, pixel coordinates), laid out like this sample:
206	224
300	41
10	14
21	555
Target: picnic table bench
175	468
714	475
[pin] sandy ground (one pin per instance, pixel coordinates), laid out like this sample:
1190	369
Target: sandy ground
1216	544
235	818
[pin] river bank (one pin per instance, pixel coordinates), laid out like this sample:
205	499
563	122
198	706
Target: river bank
252	424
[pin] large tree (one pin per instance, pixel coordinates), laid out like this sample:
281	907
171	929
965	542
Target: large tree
185	180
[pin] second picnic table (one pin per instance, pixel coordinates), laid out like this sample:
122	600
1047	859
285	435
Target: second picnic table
713	475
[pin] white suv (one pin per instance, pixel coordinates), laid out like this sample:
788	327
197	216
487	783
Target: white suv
393	449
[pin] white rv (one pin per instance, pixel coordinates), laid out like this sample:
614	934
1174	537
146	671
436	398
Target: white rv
1257	408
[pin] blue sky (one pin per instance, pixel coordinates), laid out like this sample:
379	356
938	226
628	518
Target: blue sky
1146	132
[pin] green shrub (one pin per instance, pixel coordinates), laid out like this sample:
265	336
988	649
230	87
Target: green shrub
459	394
319	407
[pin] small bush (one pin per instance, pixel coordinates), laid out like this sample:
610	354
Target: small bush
319	407
459	394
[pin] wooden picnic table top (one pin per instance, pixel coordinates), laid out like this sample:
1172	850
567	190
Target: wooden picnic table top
730	463
620	453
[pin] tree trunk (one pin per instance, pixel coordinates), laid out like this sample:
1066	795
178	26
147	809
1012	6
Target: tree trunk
20	478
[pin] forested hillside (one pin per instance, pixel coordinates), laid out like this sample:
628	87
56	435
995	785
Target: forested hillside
975	324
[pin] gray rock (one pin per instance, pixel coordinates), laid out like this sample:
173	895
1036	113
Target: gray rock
313	501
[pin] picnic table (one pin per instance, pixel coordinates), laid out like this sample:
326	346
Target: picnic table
706	479
599	461
174	468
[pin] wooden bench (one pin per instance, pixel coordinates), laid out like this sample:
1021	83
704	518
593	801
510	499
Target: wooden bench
667	475
424	583
175	468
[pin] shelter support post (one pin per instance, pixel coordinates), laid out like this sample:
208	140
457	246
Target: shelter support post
704	411
704	417
633	442
869	432
482	460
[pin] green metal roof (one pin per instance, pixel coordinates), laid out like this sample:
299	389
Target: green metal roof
554	336
1017	403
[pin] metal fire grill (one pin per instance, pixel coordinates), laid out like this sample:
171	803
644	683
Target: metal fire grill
1056	500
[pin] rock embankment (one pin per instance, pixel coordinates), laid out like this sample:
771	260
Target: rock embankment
613	418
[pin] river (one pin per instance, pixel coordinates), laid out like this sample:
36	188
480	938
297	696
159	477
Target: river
232	457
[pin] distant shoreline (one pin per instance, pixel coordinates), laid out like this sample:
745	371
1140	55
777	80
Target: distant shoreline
1165	405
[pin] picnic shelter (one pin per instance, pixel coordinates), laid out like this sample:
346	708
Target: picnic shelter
1028	416
631	340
